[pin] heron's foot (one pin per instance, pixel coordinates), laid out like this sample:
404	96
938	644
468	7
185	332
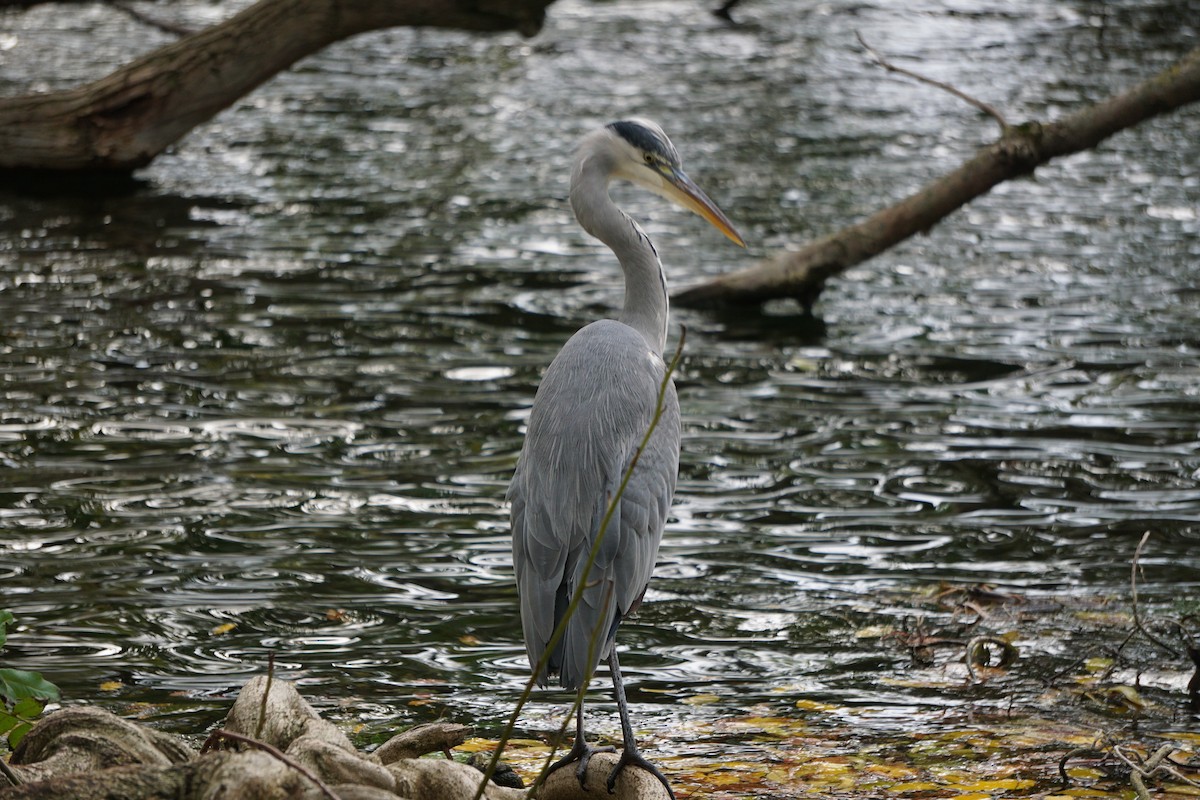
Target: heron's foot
630	756
581	752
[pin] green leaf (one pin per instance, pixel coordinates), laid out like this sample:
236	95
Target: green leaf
18	684
17	734
28	708
7	722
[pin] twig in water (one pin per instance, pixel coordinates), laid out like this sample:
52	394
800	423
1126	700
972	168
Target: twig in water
153	22
1133	590
1076	753
986	108
1160	762
978	645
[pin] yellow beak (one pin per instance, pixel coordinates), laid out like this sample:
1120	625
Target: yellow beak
679	188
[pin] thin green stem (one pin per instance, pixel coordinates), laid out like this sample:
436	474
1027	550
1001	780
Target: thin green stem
576	705
9	774
262	708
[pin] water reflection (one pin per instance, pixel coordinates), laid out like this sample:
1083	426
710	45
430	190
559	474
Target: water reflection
269	399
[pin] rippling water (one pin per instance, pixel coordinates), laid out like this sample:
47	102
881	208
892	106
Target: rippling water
281	382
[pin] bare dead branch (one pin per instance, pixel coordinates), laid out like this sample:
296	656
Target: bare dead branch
154	22
123	121
1133	589
802	274
986	108
1159	763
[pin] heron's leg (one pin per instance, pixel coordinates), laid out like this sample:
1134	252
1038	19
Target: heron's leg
580	752
630	755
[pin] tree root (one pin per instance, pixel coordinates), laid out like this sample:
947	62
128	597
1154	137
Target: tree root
88	754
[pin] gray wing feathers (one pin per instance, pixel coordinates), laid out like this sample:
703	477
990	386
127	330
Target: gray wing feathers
593	407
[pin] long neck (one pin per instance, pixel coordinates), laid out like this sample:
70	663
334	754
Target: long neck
646	307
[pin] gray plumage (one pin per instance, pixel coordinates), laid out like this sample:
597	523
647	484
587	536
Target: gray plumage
592	410
594	406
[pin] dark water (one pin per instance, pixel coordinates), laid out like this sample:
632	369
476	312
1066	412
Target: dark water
281	383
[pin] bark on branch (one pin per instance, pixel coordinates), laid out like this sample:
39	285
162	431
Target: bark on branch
122	121
802	274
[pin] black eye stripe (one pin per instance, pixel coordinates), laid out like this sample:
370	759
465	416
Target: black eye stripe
645	140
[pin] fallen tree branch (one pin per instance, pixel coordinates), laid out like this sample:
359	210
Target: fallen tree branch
801	275
123	121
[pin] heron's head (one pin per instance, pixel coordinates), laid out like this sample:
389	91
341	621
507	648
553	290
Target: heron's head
645	156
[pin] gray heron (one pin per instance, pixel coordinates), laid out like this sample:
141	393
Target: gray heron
592	410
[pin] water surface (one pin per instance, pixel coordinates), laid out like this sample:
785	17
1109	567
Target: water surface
281	383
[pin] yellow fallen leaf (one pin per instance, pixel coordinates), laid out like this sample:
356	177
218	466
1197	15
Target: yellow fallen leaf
477	746
726	778
813	705
1116	619
914	786
223	628
874	632
893	771
1125	696
111	686
468	640
700	699
1006	784
774	726
1181	736
915	683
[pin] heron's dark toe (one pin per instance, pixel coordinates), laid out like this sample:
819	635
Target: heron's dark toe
631	757
580	754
